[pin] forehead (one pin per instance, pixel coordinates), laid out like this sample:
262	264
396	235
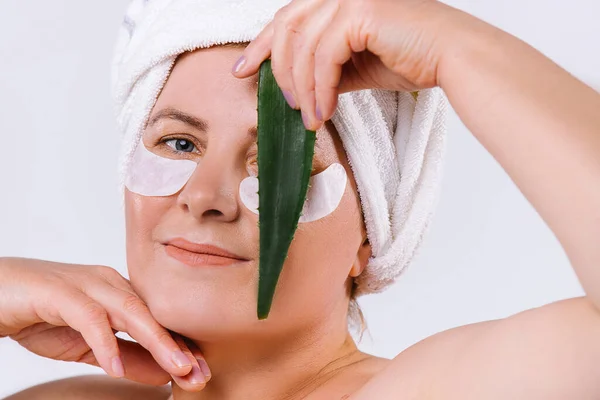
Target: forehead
208	71
201	84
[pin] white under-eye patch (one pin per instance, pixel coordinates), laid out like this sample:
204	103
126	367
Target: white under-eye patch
152	175
325	191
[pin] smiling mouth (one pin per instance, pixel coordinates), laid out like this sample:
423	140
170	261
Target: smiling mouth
196	255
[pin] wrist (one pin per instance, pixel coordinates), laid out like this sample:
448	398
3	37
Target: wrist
466	41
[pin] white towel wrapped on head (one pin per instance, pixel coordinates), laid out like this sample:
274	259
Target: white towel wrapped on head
394	143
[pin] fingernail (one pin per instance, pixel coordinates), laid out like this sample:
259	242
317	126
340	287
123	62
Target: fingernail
180	359
197	377
237	67
305	120
117	367
289	97
204	368
318	113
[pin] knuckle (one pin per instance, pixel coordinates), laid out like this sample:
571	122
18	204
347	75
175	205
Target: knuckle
159	339
306	85
324	58
107	341
358	11
94	312
163	337
113	277
105	271
58	280
134	305
286	19
281	14
301	44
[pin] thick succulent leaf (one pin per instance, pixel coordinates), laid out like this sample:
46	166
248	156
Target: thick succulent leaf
285	154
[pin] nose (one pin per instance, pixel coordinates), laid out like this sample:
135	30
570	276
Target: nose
211	192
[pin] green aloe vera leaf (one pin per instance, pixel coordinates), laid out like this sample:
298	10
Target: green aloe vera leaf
285	154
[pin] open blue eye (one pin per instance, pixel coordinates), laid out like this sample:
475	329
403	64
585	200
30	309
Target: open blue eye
182	145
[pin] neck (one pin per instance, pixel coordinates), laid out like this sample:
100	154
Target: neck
287	368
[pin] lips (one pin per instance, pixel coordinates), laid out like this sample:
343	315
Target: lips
197	255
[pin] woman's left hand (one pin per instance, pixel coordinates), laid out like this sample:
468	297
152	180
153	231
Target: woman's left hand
320	48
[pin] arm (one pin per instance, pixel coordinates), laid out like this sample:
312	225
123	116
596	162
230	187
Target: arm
541	124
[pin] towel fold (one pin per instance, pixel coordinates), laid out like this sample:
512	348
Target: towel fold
394	142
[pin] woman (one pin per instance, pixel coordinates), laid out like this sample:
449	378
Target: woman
412	45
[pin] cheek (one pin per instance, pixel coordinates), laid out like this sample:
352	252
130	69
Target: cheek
320	259
142	215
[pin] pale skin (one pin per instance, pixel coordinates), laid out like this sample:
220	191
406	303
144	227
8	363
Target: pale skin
550	147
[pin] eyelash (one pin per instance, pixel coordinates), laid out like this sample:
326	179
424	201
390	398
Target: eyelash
253	156
174	149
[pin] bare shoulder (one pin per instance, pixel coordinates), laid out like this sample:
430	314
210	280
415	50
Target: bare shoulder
556	344
93	387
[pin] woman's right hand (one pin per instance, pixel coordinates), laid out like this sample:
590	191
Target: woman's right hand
71	313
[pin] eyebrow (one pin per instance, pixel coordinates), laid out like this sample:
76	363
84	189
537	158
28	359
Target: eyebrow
188	119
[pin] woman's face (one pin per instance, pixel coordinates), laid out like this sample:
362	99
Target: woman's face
215	114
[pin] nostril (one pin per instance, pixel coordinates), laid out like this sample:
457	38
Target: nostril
213	213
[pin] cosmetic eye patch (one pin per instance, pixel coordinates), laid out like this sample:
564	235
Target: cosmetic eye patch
153	175
325	191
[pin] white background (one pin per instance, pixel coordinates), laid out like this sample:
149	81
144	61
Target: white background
488	255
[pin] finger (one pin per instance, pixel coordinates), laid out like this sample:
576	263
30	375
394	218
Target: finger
128	313
254	54
305	45
91	319
282	55
192	382
199	356
141	367
333	51
196	380
139	364
113	278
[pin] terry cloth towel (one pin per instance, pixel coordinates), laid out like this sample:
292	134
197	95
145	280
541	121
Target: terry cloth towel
394	142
